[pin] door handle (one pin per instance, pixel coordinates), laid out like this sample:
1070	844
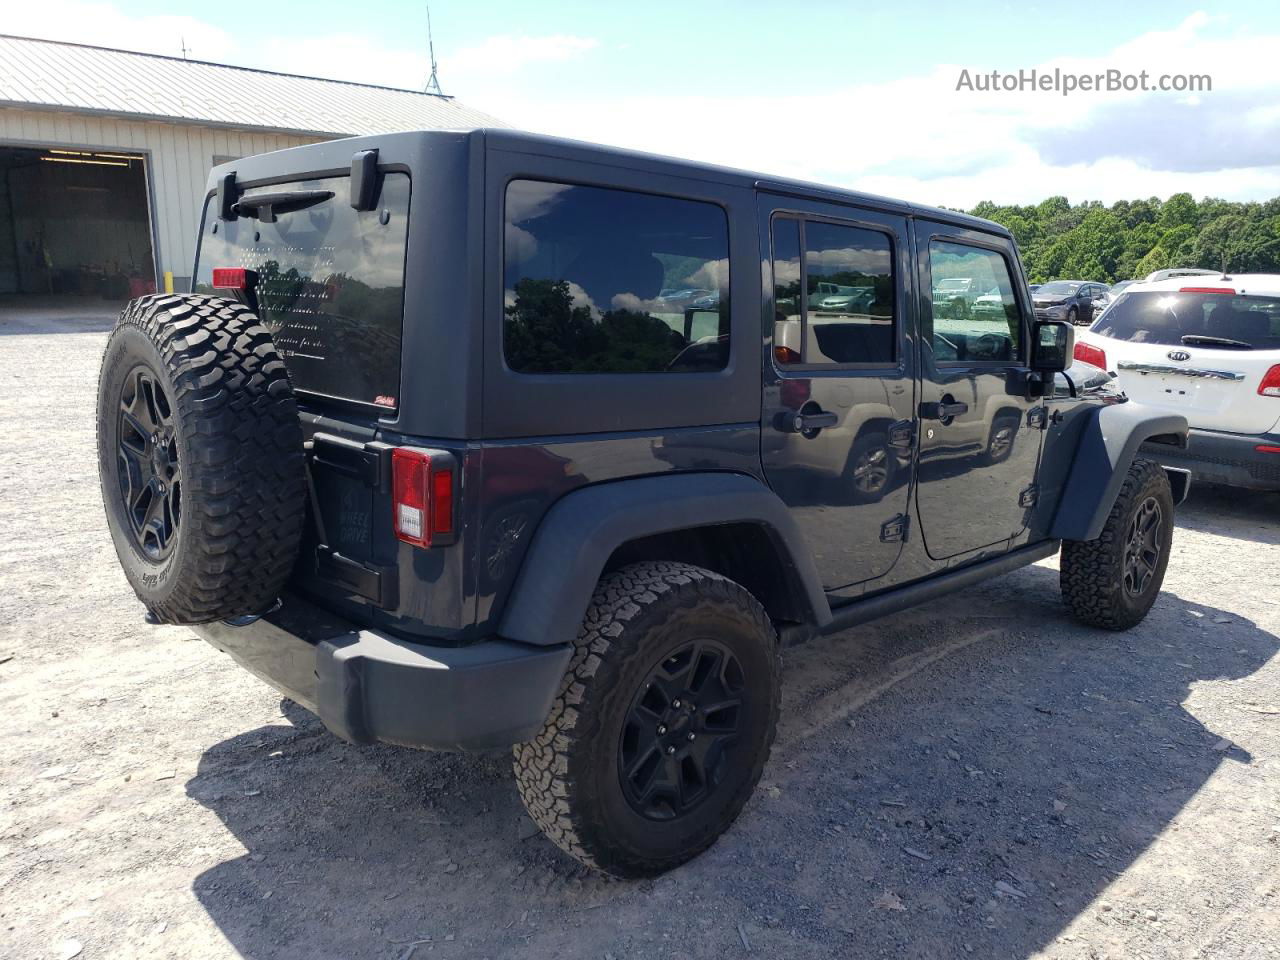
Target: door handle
943	411
805	422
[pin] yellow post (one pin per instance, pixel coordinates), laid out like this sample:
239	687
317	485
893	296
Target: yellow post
168	281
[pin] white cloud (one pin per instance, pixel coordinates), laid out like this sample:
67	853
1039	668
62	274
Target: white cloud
917	137
504	55
103	25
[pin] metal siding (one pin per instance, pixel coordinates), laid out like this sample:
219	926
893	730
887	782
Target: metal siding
177	159
45	74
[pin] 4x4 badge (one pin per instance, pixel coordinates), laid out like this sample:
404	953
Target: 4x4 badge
1178	355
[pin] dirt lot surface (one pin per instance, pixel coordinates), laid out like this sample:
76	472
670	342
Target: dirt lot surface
977	778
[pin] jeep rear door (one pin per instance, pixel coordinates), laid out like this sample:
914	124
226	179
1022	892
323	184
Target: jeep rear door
839	387
979	437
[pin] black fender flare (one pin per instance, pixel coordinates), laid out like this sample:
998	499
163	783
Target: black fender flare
1107	447
576	537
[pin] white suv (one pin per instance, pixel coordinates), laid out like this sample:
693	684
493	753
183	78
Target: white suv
1209	349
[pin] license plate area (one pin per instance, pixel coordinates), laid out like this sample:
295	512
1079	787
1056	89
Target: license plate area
348	482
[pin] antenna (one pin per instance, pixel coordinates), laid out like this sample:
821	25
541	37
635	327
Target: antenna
185	48
433	82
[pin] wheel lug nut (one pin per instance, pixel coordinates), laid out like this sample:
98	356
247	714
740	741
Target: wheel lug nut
671	750
662	728
691	736
676	704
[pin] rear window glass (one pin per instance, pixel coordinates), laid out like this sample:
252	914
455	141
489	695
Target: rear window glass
599	280
330	285
1196	318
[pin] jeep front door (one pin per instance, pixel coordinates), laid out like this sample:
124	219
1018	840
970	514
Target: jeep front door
839	381
979	432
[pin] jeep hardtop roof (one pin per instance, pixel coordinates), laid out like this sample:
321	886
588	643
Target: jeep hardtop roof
334	156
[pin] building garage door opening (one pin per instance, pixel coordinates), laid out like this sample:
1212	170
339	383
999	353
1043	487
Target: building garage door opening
74	224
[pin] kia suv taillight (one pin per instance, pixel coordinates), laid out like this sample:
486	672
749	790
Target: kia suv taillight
422	495
1270	385
1088	353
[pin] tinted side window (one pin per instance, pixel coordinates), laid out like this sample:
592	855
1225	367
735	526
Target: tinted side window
788	311
975	314
598	280
849	294
845	314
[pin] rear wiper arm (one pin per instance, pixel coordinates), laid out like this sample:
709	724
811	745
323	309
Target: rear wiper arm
265	206
1191	338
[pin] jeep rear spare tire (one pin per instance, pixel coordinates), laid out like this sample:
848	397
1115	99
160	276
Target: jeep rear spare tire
200	458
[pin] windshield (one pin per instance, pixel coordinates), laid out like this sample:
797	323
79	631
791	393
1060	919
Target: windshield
329	285
1066	287
1121	286
1196	319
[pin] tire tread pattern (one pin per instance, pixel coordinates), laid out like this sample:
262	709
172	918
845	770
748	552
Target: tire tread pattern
1090	571
552	790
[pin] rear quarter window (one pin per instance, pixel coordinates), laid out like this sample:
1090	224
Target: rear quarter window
329	285
602	280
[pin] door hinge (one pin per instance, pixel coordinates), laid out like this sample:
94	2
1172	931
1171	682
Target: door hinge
1036	417
1029	496
895	530
902	434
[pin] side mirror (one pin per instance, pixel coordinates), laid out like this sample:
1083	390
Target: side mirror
1054	346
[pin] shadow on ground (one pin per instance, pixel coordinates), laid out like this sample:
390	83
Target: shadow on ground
1232	512
980	740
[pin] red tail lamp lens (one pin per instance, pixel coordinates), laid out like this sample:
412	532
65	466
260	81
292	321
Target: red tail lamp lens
230	278
421	496
1088	353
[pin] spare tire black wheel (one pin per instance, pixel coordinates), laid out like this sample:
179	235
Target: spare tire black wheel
200	458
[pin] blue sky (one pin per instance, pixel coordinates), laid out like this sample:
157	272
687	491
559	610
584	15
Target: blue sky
857	94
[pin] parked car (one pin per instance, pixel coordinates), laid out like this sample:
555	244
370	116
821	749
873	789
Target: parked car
1108	296
1209	351
1069	300
501	493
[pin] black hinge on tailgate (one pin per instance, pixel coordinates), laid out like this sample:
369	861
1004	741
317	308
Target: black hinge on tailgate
369	463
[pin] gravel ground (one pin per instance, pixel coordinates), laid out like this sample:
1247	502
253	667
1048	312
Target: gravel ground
978	777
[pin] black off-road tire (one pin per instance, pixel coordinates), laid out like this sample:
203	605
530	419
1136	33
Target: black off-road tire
229	451
1092	572
569	775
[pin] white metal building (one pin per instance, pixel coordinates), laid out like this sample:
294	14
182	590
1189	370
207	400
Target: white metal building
104	154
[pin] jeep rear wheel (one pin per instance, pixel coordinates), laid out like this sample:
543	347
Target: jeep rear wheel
200	458
1111	582
663	723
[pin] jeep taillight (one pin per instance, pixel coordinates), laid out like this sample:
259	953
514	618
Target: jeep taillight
230	278
1270	385
1088	353
422	496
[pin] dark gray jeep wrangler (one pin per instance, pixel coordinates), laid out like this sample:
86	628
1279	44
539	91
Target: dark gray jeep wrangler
472	440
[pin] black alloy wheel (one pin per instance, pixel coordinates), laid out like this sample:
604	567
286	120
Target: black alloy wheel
149	474
679	733
1143	547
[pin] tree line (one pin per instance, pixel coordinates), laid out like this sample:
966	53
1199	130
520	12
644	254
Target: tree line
1131	238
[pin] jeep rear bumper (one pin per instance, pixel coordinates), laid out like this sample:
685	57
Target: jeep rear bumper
1230	458
370	687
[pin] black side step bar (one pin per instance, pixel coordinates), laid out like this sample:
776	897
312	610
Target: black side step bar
891	601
